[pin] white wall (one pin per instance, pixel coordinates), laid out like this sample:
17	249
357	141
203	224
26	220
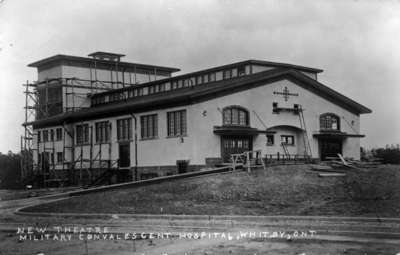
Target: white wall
50	73
201	142
260	100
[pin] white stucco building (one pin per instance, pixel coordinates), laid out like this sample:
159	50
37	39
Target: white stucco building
98	113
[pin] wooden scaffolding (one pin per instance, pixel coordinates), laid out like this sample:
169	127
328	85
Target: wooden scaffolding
43	170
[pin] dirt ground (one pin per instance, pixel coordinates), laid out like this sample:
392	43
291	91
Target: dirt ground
281	190
9	244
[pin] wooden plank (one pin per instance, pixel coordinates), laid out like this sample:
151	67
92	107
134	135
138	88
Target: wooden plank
321	167
342	159
331	174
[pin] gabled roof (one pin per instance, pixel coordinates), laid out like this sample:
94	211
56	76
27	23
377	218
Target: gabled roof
205	92
57	59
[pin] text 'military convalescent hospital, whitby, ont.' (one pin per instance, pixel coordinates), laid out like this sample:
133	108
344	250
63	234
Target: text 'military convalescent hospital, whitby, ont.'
88	115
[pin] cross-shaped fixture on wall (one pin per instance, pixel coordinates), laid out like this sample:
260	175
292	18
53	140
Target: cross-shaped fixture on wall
286	93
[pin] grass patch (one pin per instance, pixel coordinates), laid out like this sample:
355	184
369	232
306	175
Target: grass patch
287	190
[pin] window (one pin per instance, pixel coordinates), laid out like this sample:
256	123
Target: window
205	78
145	90
329	121
227	74
235	115
39	137
199	79
159	88
212	77
192	81
241	70
59	157
176	123
52	158
82	134
117	96
287	139
174	85
186	82
248	69
124	129
51	134
59	134
45	135
99	100
138	92
270	140
148	126
219	75
102	132
234	73
275	107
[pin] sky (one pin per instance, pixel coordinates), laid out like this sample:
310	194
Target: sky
355	42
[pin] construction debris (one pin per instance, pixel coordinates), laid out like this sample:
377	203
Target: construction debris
341	163
326	171
322	168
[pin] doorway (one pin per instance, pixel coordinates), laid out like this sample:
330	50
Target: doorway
330	147
235	145
124	155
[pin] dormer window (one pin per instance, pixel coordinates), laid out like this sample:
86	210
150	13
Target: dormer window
235	116
329	121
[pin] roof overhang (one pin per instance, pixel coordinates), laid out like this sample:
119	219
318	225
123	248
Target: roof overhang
271	129
335	134
239	130
74	60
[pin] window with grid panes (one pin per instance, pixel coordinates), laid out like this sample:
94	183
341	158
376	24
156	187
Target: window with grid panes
102	132
148	124
82	134
124	129
176	123
45	135
236	116
59	134
329	121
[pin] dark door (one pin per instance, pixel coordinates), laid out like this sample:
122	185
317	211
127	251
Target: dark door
44	162
124	155
234	145
330	148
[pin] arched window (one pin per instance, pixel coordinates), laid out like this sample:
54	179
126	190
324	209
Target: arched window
236	116
329	121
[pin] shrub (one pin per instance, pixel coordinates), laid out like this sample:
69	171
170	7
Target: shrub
10	170
389	155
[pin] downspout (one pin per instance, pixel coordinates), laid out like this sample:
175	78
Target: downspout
134	175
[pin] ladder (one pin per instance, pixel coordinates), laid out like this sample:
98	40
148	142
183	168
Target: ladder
307	147
285	150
